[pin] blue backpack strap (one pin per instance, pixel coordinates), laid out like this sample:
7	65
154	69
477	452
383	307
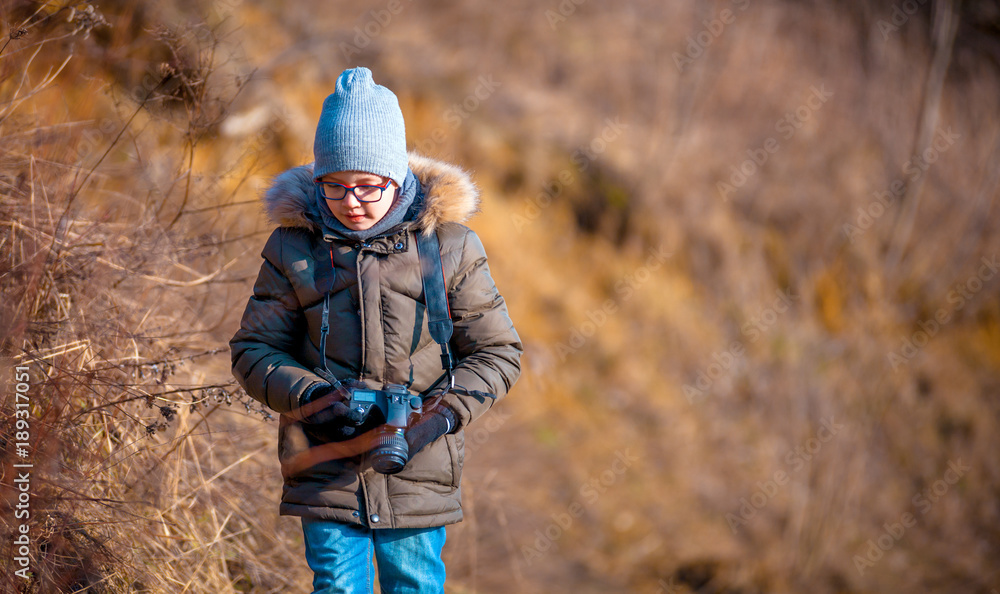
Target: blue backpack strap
436	297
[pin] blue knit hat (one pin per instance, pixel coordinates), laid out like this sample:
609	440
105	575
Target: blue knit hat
361	129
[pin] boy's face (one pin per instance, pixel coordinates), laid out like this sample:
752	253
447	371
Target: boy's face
355	215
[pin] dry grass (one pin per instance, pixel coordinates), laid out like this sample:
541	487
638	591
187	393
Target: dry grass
130	239
114	278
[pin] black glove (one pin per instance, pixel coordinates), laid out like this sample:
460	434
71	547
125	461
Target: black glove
429	427
326	405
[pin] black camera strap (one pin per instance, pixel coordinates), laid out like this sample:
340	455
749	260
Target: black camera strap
436	298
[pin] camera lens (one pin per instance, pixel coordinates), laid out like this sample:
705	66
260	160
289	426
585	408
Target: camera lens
389	450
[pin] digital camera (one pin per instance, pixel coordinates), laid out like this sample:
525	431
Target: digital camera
399	406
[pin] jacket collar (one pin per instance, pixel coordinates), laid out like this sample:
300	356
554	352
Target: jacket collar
450	196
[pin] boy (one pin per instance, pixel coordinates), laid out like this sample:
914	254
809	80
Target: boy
346	250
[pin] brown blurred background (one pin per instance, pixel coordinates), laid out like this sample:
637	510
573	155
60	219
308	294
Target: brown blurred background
751	247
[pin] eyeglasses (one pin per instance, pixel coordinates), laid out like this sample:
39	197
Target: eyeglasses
364	193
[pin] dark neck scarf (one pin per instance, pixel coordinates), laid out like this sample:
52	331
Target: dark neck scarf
395	215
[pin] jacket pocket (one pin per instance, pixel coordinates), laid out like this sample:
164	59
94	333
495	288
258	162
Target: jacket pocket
456	450
433	466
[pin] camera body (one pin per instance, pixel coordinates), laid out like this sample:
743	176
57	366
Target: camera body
389	452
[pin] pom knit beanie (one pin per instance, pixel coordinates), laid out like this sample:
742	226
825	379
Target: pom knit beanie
361	129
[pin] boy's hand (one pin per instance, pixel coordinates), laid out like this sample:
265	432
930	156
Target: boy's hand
326	404
429	427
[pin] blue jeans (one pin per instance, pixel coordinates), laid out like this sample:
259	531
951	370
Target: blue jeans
340	555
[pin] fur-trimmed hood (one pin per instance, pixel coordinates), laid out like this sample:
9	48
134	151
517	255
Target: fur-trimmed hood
449	196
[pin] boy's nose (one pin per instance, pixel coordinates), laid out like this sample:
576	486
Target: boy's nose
350	201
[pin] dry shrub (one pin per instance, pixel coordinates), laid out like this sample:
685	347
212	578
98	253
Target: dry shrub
117	263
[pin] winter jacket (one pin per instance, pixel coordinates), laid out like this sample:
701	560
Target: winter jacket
378	333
